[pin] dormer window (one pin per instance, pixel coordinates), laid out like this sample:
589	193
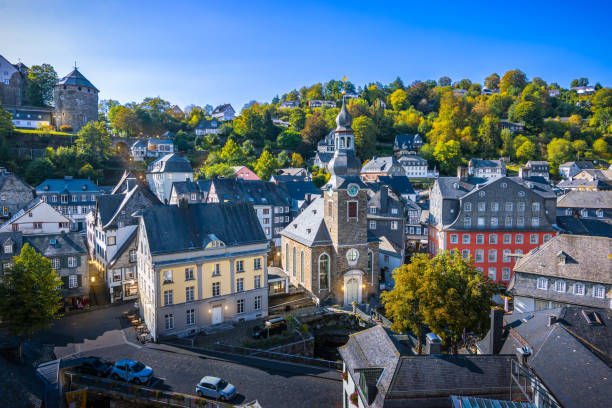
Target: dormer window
579	289
561	258
560	286
584	213
599	213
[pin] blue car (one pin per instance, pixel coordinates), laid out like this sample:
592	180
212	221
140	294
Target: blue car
131	370
214	387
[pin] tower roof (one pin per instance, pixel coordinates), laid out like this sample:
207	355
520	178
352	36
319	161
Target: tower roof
76	78
344	120
345	165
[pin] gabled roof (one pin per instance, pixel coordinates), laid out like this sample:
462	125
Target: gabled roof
408	142
172	163
139	143
6	175
406	159
76	78
580	164
208	124
67	185
297	189
400	185
309	227
486	163
65	244
379	164
585	226
586	199
170	228
223	108
292	171
589	259
257	192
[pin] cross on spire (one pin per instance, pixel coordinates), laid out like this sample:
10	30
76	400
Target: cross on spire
75	65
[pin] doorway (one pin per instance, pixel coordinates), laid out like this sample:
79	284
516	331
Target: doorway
217	315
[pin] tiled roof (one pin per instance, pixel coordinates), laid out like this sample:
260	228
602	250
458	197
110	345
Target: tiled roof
76	78
586	199
309	227
170	163
174	229
67	186
66	244
412	160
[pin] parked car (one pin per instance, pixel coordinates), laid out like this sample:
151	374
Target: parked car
95	366
215	387
131	370
270	327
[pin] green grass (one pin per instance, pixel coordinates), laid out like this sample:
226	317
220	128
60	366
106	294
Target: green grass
43	132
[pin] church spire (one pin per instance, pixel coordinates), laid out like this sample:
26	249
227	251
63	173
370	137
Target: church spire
345	162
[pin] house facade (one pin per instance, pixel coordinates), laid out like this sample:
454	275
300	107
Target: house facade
570	169
15	194
195	271
71	197
586	204
30	117
415	166
488	169
207	127
165	171
224	112
490	220
381	166
10	246
407	143
244	173
537	169
37	218
13	82
192	191
159	147
320	103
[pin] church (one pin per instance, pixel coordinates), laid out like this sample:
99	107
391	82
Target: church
327	249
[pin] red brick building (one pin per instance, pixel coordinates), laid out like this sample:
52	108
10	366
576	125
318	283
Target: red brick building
491	221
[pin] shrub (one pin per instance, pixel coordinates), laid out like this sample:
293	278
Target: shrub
178	397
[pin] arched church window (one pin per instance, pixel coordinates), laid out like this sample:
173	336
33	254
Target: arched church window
294	262
287	257
324	272
302	266
371	266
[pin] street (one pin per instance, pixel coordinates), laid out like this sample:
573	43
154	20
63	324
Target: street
273	384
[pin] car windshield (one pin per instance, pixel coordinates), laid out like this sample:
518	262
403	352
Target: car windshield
222	384
138	367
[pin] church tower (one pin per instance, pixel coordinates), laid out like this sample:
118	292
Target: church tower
76	101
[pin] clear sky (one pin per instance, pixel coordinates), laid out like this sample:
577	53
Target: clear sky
205	52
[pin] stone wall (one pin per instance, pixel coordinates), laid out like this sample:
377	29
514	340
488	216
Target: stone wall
14	92
75	106
299	348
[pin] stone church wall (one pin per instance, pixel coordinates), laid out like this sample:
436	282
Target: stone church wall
75	106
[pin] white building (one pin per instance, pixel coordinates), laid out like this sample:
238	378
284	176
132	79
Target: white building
138	150
165	171
224	112
207	127
159	147
489	169
36	219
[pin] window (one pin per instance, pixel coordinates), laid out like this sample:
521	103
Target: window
481	194
465	239
216	288
495	206
547	237
482	206
504	185
535	221
189	293
542	283
372	224
257	281
8	249
37	225
55	263
394	210
372	209
533	239
294	263
569	211
239	266
73	281
492	255
579	289
480	239
266	220
508	221
560	286
168	297
599	291
257	264
302	266
494	222
518	238
190	317
505	274
266	211
507	238
492	239
492	272
169	321
520	221
454	239
324	272
465	253
352	255
240	306
584	213
508	205
467	221
521	193
217	270
257	305
286	257
520	206
599	213
133	255
394	225
240	285
481	221
189	274
467	206
352	209
506	257
535	207
480	255
168	277
15	227
72	262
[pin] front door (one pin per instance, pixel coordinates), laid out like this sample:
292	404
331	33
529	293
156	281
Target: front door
352	291
217	315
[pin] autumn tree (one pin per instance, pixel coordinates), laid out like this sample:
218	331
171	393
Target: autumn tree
314	129
398	100
492	81
448	154
444	81
526	151
297	160
559	151
365	136
232	153
265	165
513	82
41	80
489	135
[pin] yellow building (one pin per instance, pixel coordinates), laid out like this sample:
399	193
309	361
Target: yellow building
200	265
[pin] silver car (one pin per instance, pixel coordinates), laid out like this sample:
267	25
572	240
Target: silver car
215	387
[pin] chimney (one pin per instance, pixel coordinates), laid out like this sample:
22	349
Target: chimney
433	344
183	203
552	319
497	330
384	192
462	173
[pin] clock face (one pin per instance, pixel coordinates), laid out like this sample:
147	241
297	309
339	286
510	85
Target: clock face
352	190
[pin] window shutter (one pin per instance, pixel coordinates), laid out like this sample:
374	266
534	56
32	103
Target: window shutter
79	280
78	259
63	262
65	280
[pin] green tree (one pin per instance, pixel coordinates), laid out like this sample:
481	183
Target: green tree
266	165
124	120
297	119
365	136
489	135
559	151
297	160
580	147
41	80
216	170
492	81
39	170
526	151
289	139
444	81
402	303
580	82
232	154
30	295
94	141
507	146
601	148
399	100
464	84
314	129
513	82
528	113
448	154
6	123
284	160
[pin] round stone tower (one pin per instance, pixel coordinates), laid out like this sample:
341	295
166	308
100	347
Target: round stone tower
76	101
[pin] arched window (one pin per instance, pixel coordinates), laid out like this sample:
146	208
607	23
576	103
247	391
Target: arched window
287	257
371	266
348	142
302	266
324	272
342	143
293	260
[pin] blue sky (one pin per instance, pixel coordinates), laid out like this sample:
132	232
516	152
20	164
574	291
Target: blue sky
232	51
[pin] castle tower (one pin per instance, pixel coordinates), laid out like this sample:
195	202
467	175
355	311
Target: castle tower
76	101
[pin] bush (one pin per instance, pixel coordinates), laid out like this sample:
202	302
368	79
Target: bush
66	128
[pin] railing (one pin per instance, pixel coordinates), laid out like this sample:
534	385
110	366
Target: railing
530	386
126	390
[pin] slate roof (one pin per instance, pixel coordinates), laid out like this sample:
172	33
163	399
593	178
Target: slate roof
538	185
185	187
389	247
160	141
531	163
170	163
298	189
112	204
571	356
76	78
7	175
309	227
66	244
292	171
588	259
139	143
257	192
408	142
379	165
324	157
486	163
586	199
411	160
471	402
595	174
107	205
222	108
172	229
585	226
17	238
208	124
400	185
67	186
580	164
585	183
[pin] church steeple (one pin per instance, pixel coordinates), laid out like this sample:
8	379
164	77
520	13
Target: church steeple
344	163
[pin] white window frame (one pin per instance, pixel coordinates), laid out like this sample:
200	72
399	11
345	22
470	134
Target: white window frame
72	262
454	238
597	289
560	286
542	284
465	238
73	281
579	289
169	321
